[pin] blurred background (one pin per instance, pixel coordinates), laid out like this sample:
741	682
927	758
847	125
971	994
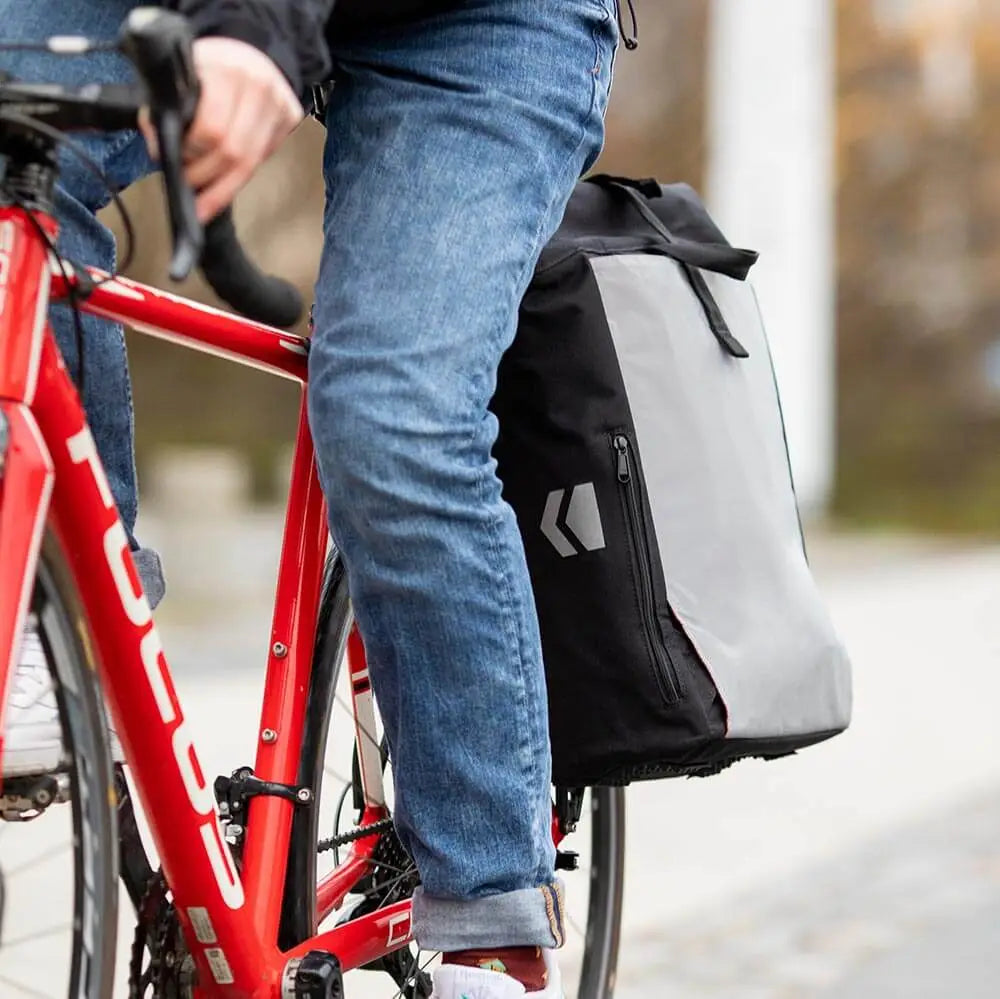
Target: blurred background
855	143
851	143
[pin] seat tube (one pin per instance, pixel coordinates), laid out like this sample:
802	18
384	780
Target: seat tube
288	670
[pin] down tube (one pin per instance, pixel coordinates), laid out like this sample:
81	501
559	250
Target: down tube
144	705
289	664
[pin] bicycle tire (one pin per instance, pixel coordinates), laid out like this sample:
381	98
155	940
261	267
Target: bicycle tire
85	742
607	815
607	887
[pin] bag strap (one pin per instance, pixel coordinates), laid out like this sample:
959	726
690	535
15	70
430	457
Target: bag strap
635	190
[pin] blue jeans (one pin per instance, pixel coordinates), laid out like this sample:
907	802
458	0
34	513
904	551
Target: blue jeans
123	157
453	147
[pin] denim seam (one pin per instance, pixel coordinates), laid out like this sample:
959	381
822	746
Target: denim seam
554	910
112	149
529	712
124	140
513	635
120	329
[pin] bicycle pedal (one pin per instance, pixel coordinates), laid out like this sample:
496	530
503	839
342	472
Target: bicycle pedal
567	860
25	798
316	975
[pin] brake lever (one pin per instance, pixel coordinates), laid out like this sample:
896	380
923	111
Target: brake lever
187	232
158	43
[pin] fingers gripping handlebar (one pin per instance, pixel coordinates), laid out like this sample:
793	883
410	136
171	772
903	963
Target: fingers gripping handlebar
159	45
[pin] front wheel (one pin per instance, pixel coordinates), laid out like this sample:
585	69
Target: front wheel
329	765
58	840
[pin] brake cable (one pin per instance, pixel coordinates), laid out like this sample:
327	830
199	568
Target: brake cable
84	283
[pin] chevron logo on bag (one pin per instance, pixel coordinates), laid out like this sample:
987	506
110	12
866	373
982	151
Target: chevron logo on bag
579	526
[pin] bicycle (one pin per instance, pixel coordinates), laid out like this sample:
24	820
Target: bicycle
239	907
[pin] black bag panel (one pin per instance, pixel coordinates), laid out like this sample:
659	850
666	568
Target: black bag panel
560	403
711	759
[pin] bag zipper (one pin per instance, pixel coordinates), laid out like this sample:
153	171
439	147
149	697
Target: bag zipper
635	520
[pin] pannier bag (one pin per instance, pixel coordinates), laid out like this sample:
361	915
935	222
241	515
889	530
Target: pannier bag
642	448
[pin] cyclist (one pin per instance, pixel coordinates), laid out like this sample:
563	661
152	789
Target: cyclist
456	131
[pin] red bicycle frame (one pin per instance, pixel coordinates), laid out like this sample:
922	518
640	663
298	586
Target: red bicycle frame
50	475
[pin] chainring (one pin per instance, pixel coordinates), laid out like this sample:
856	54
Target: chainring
159	966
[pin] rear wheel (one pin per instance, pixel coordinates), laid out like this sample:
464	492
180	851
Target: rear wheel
58	841
329	765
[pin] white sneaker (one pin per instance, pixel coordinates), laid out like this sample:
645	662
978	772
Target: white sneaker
33	736
455	981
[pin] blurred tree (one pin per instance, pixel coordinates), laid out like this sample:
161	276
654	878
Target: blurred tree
656	120
919	303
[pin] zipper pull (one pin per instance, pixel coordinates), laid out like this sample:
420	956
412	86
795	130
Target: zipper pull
621	447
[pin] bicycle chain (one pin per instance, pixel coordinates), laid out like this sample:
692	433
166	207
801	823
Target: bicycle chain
152	897
383	825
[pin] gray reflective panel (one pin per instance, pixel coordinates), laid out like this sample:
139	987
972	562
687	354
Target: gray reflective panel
709	434
584	517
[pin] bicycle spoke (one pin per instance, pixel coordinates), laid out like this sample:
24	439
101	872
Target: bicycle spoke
411	975
22	989
407	976
434	954
37	935
388	887
35	861
350	710
389	867
576	926
339	778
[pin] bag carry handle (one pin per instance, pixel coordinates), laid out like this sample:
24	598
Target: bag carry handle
719	257
637	191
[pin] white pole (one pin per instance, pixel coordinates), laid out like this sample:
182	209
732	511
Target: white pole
770	187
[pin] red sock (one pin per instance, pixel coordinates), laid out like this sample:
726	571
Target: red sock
526	964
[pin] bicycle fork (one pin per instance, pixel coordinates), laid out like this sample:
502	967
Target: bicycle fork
26	479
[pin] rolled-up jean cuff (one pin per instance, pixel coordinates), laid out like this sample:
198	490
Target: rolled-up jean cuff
150	569
528	917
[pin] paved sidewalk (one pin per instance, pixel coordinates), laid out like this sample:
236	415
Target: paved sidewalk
865	868
915	914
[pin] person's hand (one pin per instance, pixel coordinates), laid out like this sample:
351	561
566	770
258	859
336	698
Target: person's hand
246	108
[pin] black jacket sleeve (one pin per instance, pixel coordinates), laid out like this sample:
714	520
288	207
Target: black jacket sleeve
291	32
